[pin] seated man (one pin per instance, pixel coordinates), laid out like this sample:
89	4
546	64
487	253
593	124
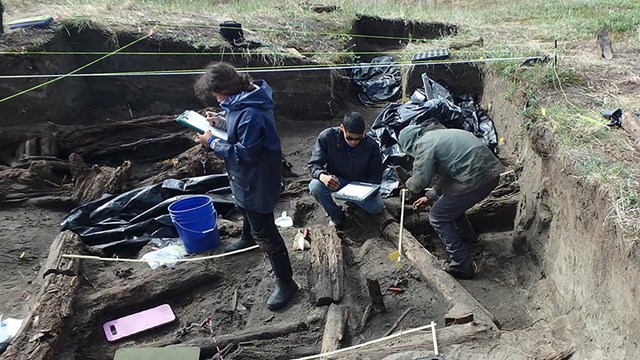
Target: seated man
341	155
466	171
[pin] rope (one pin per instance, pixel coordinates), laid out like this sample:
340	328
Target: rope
169	53
432	325
263	69
97	258
74	71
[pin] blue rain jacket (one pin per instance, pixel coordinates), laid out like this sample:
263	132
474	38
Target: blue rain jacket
252	153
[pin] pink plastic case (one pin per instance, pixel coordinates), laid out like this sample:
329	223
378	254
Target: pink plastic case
138	322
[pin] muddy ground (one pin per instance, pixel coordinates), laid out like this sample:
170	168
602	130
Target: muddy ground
509	285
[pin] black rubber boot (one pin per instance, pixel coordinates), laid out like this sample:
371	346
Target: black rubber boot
460	272
240	244
285	286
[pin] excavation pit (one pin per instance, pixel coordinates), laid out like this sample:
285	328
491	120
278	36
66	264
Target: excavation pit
514	300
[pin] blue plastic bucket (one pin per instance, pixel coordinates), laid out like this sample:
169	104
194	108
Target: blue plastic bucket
195	221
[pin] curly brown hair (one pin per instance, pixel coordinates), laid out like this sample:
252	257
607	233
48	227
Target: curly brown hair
221	78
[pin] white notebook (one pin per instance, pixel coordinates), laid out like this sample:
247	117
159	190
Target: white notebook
357	191
199	123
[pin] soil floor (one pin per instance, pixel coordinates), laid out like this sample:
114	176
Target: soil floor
511	286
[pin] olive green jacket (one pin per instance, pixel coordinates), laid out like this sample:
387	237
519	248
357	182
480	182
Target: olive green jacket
460	161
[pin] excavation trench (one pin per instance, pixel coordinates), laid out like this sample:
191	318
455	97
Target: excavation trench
515	299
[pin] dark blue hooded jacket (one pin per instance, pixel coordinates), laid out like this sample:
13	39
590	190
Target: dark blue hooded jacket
252	154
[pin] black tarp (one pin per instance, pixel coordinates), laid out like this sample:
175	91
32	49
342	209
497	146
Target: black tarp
377	81
429	104
128	221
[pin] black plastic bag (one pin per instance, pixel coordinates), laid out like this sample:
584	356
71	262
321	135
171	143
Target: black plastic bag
377	81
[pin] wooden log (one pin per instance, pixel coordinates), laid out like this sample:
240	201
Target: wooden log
495	213
57	202
157	136
20	152
41	330
327	267
53	170
377	301
158	285
426	264
334	328
91	182
473	341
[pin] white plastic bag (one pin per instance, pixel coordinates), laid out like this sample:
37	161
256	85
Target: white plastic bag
8	329
165	256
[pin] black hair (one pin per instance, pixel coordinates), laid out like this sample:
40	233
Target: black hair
353	122
221	78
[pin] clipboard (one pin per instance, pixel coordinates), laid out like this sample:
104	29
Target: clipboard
199	123
357	191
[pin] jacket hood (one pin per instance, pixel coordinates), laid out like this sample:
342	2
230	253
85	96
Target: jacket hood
260	98
409	136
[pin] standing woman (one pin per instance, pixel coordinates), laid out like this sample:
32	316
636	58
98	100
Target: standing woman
253	156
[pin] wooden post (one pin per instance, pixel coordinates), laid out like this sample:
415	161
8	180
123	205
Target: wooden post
377	300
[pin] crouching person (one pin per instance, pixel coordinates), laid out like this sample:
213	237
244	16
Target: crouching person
341	155
467	172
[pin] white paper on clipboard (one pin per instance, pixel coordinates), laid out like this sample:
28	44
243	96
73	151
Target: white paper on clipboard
357	191
199	123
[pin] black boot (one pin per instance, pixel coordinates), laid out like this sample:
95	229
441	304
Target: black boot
285	286
240	244
461	271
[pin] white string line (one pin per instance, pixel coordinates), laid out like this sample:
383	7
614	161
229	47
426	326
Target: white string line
268	70
432	325
89	257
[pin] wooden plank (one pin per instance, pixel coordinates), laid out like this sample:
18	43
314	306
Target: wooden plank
327	267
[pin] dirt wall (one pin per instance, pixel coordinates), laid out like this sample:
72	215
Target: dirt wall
565	223
90	99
